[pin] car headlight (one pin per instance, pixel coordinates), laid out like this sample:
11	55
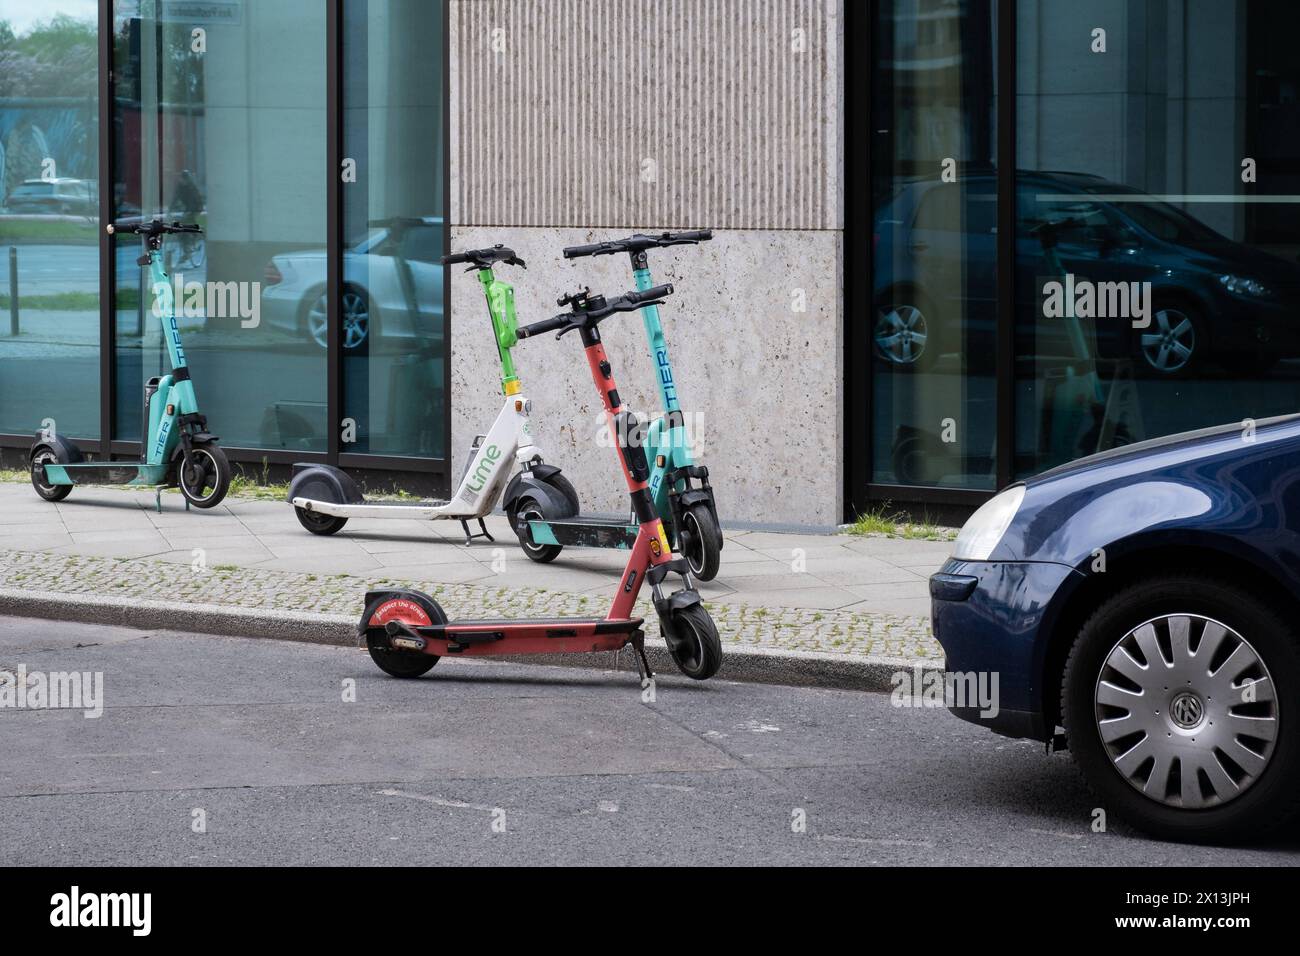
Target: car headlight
981	534
1240	285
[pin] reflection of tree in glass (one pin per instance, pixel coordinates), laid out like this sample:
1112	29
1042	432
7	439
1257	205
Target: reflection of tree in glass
47	60
182	69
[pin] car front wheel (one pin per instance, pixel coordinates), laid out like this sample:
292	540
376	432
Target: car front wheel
1177	702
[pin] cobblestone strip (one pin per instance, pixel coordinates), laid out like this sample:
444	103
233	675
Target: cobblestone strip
804	629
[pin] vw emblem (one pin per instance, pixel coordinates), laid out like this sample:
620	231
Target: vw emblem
1186	709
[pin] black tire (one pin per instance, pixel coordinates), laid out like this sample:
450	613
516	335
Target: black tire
697	650
528	509
40	457
318	523
1271	797
404	664
206	484
703	553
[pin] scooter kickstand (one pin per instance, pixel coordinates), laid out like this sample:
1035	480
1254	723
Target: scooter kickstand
157	498
483	531
642	662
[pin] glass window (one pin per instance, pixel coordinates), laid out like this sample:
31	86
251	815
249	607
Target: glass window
393	226
1158	287
220	120
934	241
49	219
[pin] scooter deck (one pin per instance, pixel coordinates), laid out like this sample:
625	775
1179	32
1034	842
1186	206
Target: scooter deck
428	508
561	635
585	532
105	473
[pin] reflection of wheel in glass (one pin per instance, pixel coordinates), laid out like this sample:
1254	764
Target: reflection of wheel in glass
1172	699
903	337
354	314
1170	345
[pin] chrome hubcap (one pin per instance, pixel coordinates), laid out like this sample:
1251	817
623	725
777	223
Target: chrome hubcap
354	314
901	334
1169	344
1186	711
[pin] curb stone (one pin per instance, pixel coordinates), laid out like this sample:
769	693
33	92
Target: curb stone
748	664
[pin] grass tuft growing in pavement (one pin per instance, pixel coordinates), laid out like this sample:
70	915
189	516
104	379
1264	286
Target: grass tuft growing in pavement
882	521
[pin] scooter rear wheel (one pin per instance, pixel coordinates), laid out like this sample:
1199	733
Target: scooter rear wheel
404	664
318	523
205	482
697	649
43	457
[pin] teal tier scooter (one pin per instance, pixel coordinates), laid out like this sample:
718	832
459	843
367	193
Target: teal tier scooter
688	510
177	448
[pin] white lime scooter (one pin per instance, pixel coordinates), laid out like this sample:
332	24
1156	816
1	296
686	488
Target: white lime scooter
325	497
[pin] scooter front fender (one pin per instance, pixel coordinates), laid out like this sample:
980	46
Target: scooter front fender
64	451
533	484
324	483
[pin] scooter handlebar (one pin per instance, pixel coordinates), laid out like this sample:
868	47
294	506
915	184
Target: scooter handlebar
149	227
639	243
588	310
484	258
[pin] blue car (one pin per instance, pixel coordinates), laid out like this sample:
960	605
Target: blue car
1141	607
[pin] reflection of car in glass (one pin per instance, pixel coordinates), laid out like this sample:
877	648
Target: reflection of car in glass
392	286
935	276
1145	600
63	196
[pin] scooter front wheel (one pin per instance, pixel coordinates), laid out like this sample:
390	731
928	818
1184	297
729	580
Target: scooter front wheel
205	481
696	648
318	523
43	457
530	510
703	546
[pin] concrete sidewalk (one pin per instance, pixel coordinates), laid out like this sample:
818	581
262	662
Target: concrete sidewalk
863	597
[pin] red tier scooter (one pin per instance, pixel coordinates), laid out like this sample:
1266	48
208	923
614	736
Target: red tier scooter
407	632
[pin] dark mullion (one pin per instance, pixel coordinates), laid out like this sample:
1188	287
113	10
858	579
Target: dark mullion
1005	374
107	261
334	221
446	244
856	267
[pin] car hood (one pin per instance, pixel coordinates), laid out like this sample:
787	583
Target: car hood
1162	487
1152	448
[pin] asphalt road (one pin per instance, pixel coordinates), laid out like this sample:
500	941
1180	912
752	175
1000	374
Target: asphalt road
256	735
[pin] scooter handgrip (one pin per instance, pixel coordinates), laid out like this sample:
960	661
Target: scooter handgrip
595	249
694	235
546	325
657	292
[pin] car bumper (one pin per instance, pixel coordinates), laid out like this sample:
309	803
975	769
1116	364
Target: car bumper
991	617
